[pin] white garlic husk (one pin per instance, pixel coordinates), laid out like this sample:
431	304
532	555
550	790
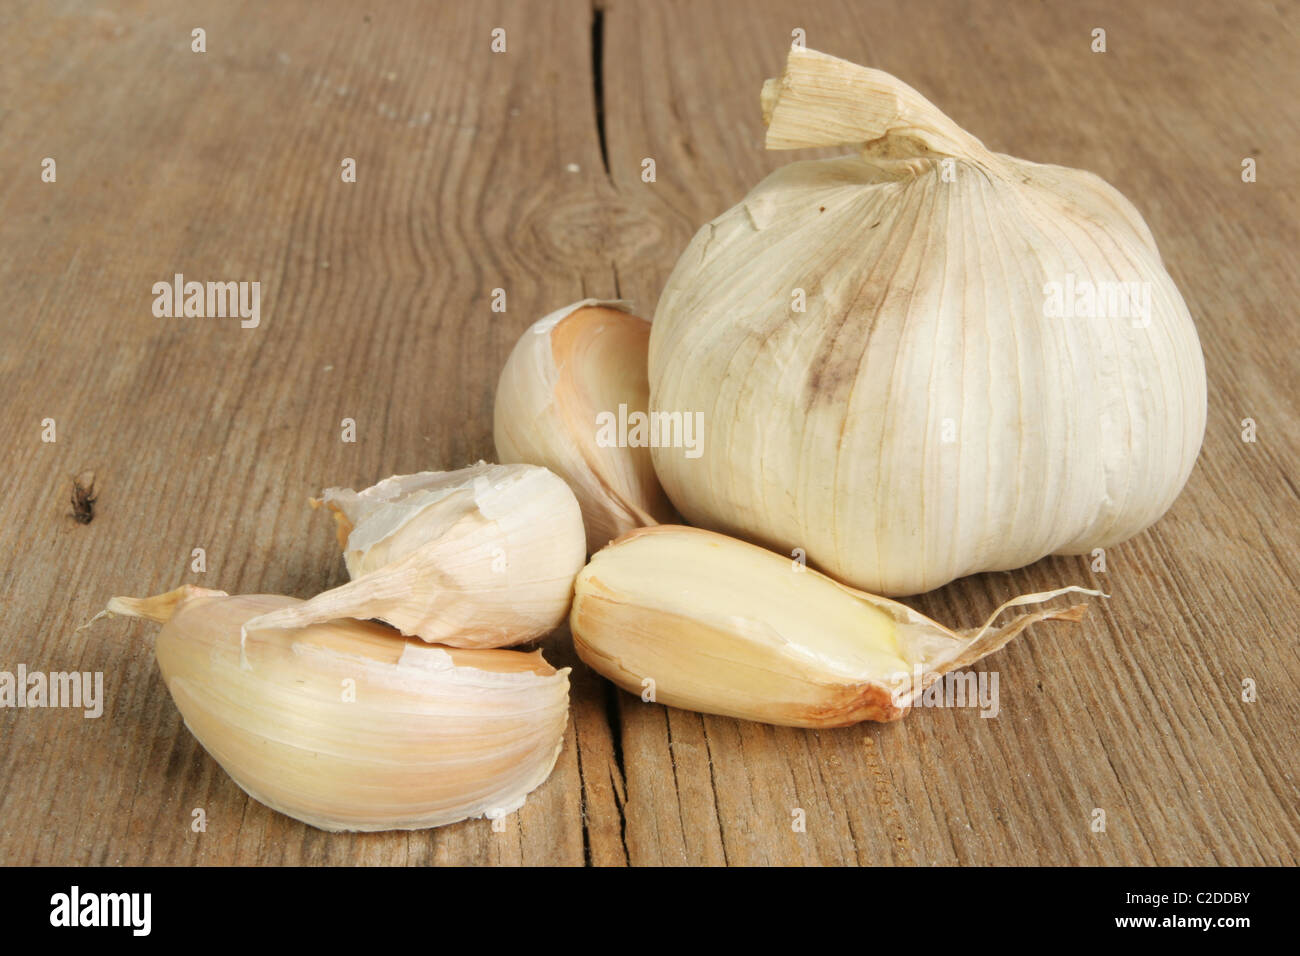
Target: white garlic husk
570	387
480	557
697	620
928	416
347	726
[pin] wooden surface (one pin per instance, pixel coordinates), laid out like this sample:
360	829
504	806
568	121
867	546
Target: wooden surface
479	171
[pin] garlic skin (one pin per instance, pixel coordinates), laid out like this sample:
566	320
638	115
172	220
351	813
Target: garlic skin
924	419
480	557
717	625
578	362
430	735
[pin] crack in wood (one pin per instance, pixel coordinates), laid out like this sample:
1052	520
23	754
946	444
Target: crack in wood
614	718
677	786
598	77
713	785
582	807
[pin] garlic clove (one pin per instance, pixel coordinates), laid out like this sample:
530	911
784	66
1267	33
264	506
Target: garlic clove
713	624
580	362
480	557
347	726
923	359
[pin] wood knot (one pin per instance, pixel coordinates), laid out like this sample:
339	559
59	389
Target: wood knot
581	228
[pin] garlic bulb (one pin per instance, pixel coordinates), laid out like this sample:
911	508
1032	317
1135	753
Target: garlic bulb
347	726
480	557
704	622
573	375
926	359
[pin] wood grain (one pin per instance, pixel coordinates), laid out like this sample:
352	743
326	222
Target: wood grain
479	171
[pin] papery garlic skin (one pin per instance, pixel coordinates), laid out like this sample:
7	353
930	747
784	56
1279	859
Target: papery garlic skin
580	362
347	726
480	557
923	419
713	624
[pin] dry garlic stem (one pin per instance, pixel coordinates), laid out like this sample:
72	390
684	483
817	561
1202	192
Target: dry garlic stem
481	557
347	726
717	625
922	359
571	379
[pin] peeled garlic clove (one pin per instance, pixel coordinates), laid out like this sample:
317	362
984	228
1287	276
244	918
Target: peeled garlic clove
480	557
347	726
713	624
558	403
924	359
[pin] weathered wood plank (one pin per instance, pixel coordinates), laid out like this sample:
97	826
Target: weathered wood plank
479	171
1139	712
375	306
